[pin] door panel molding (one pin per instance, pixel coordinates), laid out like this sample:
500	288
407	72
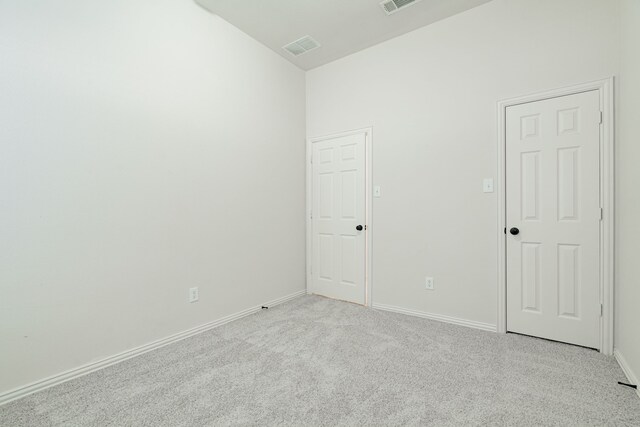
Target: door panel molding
605	89
368	133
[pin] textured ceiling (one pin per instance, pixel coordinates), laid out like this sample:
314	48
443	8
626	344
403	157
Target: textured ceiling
342	27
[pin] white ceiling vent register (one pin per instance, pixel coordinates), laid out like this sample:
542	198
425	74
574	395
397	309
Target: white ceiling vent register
392	6
300	46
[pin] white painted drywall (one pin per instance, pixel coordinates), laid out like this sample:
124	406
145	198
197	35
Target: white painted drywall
431	96
145	147
627	326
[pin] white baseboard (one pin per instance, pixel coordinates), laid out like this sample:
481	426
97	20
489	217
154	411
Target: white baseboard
71	374
439	317
631	376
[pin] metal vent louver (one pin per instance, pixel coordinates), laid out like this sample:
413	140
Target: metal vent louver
392	6
302	45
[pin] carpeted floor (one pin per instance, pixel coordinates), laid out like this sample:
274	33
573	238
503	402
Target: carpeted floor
315	361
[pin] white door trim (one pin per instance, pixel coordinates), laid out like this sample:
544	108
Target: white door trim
607	181
368	204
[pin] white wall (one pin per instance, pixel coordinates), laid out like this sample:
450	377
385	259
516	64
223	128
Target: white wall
627	339
145	147
431	96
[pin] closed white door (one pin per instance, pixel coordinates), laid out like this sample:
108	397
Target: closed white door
553	216
338	218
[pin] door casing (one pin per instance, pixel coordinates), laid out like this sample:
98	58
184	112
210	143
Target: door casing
605	88
368	132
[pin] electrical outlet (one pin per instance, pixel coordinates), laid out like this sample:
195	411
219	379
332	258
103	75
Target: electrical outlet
428	283
193	294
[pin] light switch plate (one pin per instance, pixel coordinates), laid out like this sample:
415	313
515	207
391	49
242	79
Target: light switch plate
377	191
487	185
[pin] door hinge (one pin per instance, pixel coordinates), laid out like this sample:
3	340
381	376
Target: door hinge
601	214
601	117
310	215
601	310
311	159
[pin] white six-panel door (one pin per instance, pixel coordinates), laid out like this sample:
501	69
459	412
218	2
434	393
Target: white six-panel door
553	200
338	209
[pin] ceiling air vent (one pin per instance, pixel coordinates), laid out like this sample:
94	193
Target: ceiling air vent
392	6
303	45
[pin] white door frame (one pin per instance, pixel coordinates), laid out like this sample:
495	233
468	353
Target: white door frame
368	176
607	181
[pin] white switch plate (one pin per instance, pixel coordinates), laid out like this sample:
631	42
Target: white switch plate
428	283
193	295
377	191
487	185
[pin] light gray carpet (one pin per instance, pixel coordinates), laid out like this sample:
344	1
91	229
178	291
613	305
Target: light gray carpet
315	361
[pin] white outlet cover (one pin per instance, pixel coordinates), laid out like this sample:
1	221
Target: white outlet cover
428	283
193	294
